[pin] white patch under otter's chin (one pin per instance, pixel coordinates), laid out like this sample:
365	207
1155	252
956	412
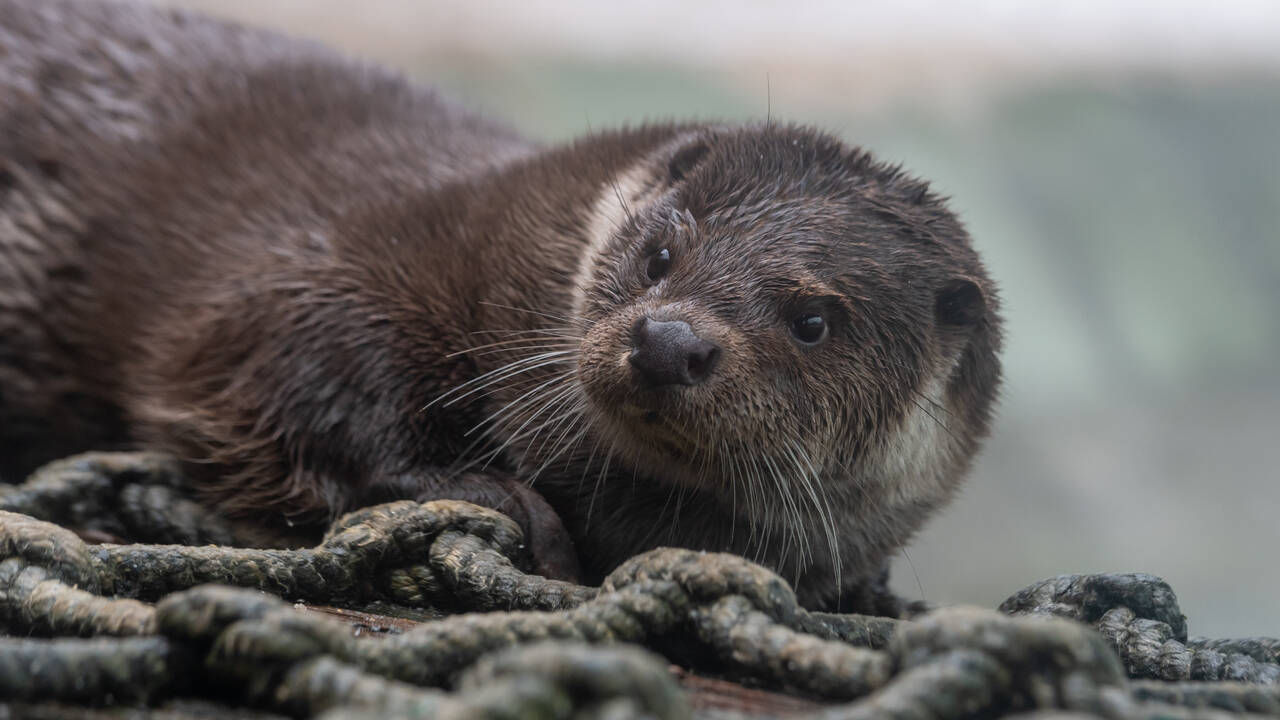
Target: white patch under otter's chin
917	461
629	191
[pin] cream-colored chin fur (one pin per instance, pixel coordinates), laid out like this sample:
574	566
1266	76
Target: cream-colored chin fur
915	462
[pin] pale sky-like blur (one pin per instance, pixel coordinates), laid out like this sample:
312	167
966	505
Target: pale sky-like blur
724	32
858	54
1118	164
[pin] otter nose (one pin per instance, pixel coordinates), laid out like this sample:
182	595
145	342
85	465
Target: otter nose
668	353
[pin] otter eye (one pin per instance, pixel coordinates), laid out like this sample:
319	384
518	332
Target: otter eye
658	265
809	328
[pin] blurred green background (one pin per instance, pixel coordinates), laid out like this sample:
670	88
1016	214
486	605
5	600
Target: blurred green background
1118	165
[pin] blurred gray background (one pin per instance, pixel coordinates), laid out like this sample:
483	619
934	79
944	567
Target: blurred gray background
1118	164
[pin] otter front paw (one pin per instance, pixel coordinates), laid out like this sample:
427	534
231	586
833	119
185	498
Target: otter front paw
550	548
546	538
548	543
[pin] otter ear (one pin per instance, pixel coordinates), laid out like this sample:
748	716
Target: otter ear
960	302
686	158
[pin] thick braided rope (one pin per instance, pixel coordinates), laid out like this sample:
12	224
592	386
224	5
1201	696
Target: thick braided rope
953	661
128	669
362	558
133	495
1139	615
947	664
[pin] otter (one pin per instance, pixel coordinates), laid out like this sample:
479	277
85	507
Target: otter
320	285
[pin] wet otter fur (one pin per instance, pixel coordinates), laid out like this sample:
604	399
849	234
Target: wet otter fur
322	286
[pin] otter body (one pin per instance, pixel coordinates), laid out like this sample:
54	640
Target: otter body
321	286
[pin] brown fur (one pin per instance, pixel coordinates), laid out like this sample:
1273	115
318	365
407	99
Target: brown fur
281	266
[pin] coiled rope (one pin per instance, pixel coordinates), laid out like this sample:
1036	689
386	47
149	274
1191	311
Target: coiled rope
200	628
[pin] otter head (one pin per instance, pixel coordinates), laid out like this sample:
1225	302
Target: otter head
775	320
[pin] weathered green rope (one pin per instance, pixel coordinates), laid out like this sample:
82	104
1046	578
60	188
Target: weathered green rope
128	495
127	670
544	648
377	553
1138	614
1227	696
